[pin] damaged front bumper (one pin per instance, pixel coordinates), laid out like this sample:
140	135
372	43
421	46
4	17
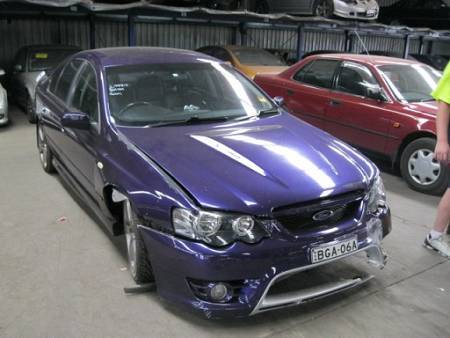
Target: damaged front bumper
181	266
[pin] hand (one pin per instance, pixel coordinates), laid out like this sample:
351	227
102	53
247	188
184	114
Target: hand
442	151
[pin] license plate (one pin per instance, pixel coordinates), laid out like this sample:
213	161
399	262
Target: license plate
330	251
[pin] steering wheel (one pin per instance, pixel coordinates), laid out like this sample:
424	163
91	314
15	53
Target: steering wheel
132	105
198	97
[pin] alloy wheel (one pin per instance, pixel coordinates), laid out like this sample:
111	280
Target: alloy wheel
43	147
323	9
130	236
423	168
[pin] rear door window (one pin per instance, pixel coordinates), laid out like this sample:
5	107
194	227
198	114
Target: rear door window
318	73
62	87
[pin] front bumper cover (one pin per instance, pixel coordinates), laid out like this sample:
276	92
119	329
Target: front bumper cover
175	261
361	11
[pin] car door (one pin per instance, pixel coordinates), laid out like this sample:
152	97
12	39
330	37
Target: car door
352	115
80	145
307	93
54	107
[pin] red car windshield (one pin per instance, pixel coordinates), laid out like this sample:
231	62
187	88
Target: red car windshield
411	82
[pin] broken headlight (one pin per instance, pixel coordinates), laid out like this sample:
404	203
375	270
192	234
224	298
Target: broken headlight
216	228
377	196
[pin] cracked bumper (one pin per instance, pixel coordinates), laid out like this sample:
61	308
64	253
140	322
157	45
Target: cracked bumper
257	267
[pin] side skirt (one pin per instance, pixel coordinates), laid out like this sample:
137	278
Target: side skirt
107	221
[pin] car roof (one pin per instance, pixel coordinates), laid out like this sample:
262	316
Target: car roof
60	47
375	60
127	56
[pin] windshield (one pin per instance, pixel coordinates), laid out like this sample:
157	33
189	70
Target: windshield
145	95
257	57
411	83
48	58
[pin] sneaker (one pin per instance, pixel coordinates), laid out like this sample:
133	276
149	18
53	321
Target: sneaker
439	245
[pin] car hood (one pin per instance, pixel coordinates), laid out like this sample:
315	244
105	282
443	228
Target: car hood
427	108
252	71
256	165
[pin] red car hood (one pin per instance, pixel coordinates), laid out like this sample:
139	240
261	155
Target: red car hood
429	108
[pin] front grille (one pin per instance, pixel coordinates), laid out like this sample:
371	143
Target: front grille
300	217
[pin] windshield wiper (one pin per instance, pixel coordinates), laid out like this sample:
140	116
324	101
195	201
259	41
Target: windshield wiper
190	121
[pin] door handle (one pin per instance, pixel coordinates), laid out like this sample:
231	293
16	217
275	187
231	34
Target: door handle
290	92
335	103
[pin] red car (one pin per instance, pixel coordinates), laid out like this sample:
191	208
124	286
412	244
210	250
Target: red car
381	105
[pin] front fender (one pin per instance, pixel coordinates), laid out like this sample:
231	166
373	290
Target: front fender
152	192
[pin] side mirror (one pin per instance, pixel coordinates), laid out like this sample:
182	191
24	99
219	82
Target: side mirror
17	68
376	93
2	72
279	100
76	121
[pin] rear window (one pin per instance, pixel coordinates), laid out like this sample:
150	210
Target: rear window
257	57
318	73
48	58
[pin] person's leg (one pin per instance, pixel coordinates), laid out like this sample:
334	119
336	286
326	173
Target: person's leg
443	213
434	239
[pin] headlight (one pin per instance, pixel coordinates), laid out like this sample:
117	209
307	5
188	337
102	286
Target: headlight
216	228
377	196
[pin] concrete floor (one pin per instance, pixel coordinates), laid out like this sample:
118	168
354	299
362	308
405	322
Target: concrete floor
62	276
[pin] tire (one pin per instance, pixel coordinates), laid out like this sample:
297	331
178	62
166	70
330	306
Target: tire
262	7
29	109
138	262
45	154
323	8
420	170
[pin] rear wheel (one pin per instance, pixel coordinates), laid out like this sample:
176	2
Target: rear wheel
45	154
420	170
324	8
138	262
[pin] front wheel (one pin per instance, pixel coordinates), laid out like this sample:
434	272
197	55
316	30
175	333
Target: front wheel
138	262
420	170
324	8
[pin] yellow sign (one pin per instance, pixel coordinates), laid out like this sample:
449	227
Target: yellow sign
41	56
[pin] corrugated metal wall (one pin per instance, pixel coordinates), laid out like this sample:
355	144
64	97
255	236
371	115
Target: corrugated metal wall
285	39
378	43
75	31
111	34
182	35
324	40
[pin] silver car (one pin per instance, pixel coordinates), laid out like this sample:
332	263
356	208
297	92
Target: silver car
350	9
3	103
30	64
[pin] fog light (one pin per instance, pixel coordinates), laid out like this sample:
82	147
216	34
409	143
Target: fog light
220	292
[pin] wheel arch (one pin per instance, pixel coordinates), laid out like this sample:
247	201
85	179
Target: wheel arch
115	206
407	140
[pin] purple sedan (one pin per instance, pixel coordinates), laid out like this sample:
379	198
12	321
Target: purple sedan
220	193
